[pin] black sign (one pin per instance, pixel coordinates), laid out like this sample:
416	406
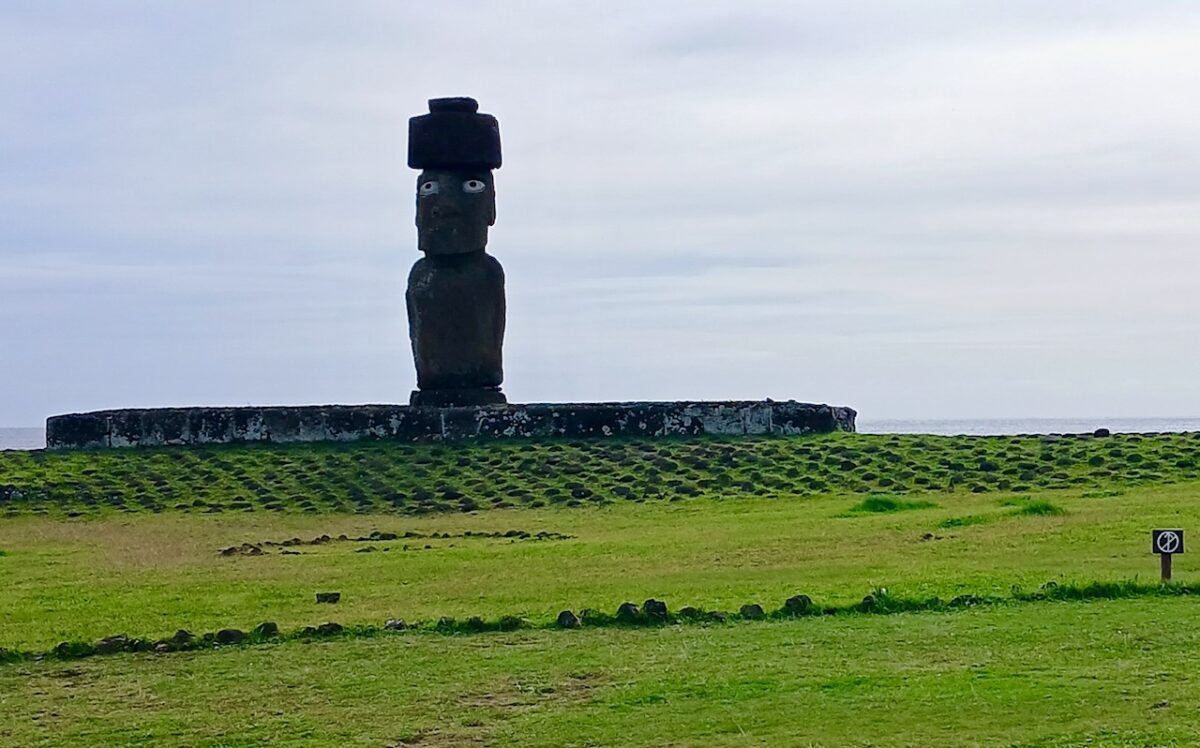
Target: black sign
1166	541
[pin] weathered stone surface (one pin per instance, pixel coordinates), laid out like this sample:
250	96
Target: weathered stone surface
145	427
798	605
456	315
395	624
655	610
111	644
567	620
328	597
628	613
752	612
230	636
266	630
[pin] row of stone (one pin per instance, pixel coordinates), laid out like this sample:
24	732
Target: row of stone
655	611
256	549
184	640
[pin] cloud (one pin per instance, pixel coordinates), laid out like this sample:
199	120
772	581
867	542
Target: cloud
920	209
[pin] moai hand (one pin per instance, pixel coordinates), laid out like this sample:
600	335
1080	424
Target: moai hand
455	293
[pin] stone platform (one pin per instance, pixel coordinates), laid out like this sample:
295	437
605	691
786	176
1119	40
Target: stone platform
156	427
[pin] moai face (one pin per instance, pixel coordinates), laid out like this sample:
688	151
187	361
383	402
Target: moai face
454	210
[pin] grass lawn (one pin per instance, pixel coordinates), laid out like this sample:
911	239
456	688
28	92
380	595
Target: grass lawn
110	542
1104	673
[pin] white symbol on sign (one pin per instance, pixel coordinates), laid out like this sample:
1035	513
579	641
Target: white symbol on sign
1168	542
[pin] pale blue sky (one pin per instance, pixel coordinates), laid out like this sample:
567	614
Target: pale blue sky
920	209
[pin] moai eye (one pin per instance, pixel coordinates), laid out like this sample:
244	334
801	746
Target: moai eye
428	188
473	185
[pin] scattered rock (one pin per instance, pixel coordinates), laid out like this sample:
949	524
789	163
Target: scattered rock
1101	433
798	605
329	629
230	636
718	616
74	649
308	631
266	630
162	647
751	612
868	604
510	623
395	624
655	610
183	636
111	644
567	620
475	623
1161	704
138	645
328	597
588	615
445	622
286	552
689	613
628	613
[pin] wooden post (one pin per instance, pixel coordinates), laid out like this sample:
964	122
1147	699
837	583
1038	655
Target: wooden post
1166	566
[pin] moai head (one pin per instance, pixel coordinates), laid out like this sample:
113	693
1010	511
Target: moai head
456	148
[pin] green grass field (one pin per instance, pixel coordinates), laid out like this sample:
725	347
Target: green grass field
131	542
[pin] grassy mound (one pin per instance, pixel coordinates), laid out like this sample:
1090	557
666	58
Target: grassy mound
367	477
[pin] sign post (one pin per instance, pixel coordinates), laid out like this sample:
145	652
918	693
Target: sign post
1166	543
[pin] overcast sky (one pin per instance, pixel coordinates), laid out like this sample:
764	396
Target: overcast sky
919	209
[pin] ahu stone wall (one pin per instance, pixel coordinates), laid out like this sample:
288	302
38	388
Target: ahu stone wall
171	426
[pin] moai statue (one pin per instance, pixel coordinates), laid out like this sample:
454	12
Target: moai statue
456	291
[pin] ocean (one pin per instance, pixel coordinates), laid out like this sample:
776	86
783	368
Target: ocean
35	438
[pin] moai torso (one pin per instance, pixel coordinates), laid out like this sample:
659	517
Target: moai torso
455	294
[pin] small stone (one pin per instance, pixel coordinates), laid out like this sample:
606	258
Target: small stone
798	605
138	645
475	623
628	613
868	604
445	622
655	610
230	551
183	636
230	636
395	624
162	647
689	613
328	597
1101	433
111	644
266	630
308	631
510	623
68	650
567	620
328	629
751	612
